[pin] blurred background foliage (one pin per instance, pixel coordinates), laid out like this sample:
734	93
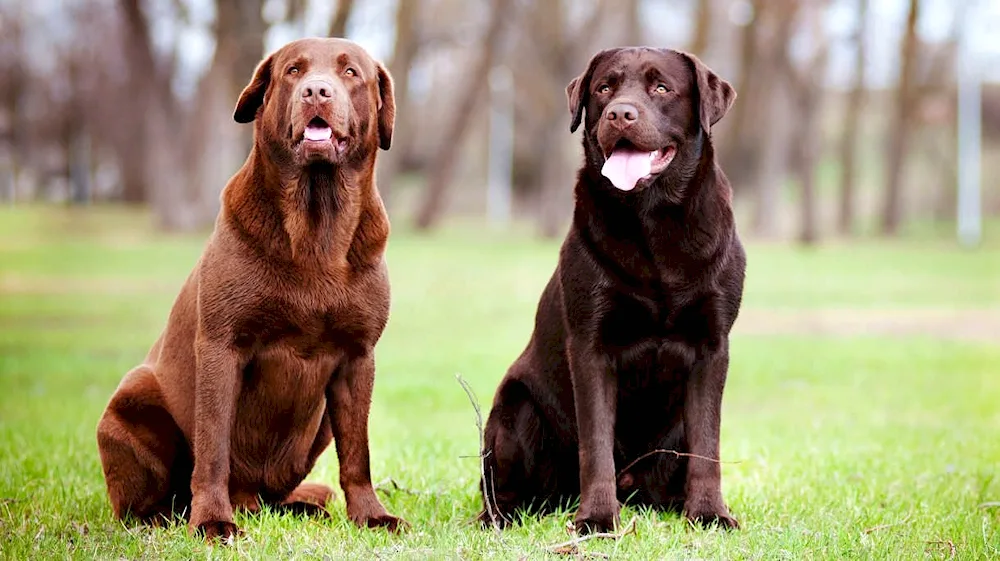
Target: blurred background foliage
845	123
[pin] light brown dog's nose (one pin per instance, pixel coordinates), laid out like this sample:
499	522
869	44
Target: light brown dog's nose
623	114
317	91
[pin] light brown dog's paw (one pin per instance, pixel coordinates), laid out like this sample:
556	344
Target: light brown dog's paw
389	522
218	531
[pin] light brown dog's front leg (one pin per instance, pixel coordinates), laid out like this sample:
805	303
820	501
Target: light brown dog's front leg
349	400
217	385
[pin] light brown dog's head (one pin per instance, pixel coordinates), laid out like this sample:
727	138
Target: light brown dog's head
644	107
319	100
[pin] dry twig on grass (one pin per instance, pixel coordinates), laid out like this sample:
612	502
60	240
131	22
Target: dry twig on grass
572	547
389	486
885	526
941	544
488	494
991	504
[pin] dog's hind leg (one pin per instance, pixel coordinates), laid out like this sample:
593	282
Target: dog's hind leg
308	499
521	462
146	462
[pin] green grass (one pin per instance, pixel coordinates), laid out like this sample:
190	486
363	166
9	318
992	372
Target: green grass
847	447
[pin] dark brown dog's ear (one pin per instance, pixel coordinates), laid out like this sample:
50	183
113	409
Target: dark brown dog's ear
253	95
715	95
578	90
386	108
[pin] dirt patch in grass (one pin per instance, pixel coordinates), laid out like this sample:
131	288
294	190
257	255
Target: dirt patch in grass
969	325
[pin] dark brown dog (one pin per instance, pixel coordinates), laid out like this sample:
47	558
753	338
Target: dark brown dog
268	354
631	343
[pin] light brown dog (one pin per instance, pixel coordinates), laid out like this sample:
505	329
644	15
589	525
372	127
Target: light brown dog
268	353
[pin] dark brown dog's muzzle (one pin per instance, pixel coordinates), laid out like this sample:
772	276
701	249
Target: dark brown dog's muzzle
621	115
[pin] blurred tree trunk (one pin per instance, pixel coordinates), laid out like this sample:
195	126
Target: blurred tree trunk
75	136
892	210
338	24
562	48
852	124
442	166
547	24
765	130
134	152
14	79
741	150
702	28
218	145
808	95
404	53
151	153
633	23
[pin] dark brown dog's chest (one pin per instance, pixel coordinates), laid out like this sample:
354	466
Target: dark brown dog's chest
667	327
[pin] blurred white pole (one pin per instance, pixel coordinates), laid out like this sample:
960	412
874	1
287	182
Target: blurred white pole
501	156
969	131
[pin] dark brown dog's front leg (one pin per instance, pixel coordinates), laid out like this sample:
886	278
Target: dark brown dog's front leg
217	385
349	400
595	393
702	419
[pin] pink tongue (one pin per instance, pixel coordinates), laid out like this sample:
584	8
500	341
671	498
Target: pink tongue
314	132
625	167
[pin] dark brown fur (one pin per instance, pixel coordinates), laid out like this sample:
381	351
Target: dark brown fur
268	354
630	349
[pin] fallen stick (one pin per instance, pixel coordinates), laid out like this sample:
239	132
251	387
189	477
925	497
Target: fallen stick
885	526
676	454
572	547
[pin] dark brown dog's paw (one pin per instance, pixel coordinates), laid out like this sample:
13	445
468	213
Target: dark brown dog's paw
497	519
218	531
708	517
596	522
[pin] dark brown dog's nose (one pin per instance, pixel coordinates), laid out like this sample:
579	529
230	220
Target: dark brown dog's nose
624	114
317	91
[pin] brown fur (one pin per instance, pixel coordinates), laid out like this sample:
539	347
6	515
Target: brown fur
630	349
268	353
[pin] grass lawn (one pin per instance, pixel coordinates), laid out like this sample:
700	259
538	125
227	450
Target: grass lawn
844	446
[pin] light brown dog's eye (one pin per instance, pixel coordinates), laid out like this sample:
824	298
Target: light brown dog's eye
350	72
604	89
293	70
661	89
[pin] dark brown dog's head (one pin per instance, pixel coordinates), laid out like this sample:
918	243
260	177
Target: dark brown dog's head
644	107
319	100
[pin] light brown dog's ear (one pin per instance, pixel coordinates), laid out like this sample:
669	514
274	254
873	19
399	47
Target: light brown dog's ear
578	90
253	95
715	95
386	108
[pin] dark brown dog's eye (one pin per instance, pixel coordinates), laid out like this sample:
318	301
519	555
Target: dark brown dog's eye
604	89
661	89
293	70
350	72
